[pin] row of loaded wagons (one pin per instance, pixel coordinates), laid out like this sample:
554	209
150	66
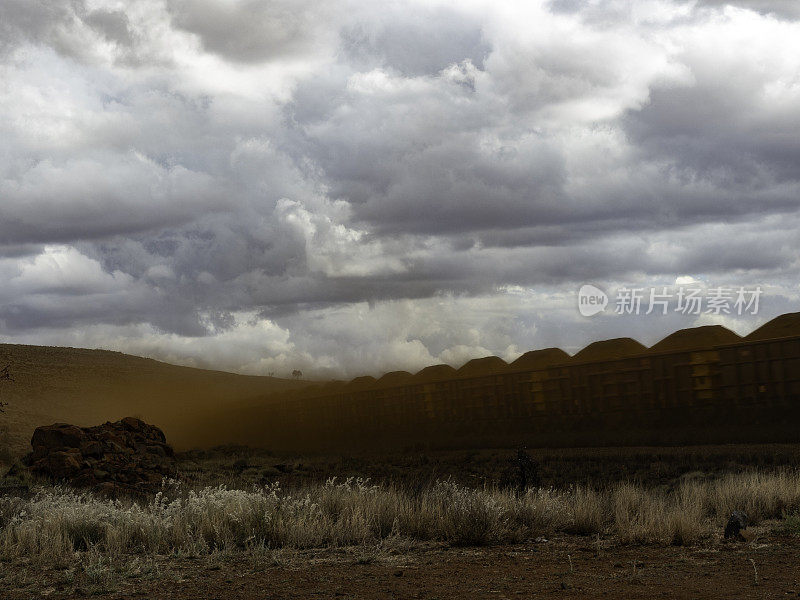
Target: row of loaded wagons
619	382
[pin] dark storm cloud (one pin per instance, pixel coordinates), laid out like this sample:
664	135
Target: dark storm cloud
430	170
731	130
433	172
346	187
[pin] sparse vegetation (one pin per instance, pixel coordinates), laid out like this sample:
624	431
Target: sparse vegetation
238	507
791	524
55	524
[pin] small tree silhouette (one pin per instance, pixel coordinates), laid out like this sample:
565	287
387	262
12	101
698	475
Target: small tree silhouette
527	471
297	373
522	472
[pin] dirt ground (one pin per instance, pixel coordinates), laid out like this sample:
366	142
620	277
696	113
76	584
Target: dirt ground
564	567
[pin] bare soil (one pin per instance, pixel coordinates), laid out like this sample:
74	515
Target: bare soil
89	387
565	567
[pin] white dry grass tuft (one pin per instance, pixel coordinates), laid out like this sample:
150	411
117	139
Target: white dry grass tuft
56	524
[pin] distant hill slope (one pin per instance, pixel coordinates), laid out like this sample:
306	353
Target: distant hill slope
88	387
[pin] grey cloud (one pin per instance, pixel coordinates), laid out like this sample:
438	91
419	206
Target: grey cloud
415	43
567	6
250	31
58	24
19	250
788	9
604	9
30	19
378	218
55	313
727	128
113	25
93	198
430	171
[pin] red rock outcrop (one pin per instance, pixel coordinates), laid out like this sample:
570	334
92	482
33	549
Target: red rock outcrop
127	456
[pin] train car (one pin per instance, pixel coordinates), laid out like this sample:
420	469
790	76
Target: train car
685	367
481	391
606	377
527	382
431	389
392	402
764	368
691	377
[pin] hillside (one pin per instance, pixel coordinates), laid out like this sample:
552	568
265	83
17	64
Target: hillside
87	387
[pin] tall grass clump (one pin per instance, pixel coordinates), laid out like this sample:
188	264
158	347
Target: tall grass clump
57	523
643	516
587	511
760	495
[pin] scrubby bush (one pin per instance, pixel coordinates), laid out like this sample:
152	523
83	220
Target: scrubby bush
57	523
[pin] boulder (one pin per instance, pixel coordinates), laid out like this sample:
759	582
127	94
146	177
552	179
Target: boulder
92	449
121	458
63	464
133	424
58	435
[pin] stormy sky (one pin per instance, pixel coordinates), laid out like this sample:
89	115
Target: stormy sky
356	187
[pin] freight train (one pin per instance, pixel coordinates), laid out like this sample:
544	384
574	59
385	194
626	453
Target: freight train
704	384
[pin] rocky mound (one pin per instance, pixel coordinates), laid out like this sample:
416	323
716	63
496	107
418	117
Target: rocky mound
128	456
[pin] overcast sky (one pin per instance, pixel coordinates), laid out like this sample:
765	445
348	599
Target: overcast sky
358	187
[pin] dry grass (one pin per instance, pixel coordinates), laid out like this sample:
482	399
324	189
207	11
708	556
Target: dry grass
791	524
644	516
56	525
